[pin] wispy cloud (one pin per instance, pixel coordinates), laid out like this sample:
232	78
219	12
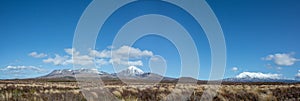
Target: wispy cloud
21	71
37	55
34	68
282	59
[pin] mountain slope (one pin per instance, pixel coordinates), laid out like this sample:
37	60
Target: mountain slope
258	77
131	71
258	80
71	73
134	73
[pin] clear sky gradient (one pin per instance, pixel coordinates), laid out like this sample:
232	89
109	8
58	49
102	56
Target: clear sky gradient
261	36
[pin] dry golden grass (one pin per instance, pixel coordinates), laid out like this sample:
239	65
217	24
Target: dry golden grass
69	91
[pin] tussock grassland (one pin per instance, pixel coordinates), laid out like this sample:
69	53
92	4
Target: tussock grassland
69	91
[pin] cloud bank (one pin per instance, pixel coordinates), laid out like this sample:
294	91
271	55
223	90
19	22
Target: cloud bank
125	55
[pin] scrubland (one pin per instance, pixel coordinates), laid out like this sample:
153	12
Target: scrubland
28	90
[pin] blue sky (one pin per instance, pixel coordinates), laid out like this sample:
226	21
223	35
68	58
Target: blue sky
261	36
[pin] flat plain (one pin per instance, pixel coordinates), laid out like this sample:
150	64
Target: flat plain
68	90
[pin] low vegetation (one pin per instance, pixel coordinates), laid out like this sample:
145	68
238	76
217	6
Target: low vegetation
33	90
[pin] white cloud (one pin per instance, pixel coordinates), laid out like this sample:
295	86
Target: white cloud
84	60
120	56
234	69
77	59
19	69
69	51
22	68
101	62
102	54
258	75
123	52
57	60
130	52
126	63
282	59
36	55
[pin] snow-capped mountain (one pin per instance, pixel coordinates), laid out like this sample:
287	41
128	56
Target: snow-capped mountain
258	77
134	73
59	73
131	71
71	73
258	80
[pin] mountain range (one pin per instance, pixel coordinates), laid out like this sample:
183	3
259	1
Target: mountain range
248	79
134	73
131	72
